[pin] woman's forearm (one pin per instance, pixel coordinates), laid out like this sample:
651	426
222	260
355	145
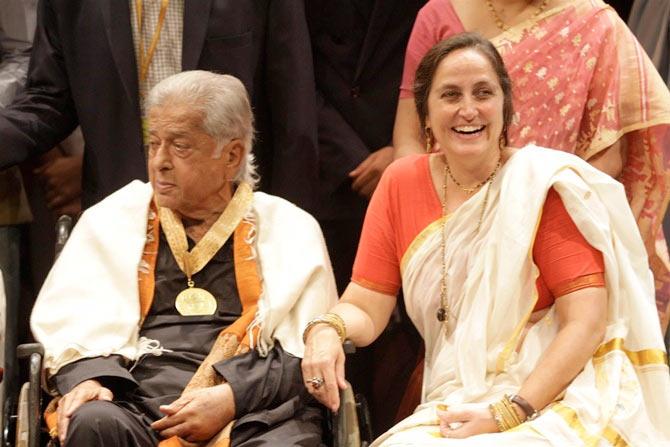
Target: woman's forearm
365	313
581	330
407	137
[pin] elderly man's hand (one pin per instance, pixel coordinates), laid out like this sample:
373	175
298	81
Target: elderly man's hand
84	392
197	415
367	174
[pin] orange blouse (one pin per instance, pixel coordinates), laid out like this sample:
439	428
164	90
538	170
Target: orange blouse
405	202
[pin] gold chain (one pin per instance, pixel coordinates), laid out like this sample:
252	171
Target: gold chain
444	311
502	25
471	189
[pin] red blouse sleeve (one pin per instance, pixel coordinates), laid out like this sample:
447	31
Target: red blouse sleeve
377	266
567	262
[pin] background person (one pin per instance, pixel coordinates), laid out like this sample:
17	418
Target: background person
93	61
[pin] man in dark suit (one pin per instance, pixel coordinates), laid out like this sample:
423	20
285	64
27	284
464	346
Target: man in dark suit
84	71
359	49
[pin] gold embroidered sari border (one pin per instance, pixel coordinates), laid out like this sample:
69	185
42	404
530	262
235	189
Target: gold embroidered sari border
420	239
609	433
642	357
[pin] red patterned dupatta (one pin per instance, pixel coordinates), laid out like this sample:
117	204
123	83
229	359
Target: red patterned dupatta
582	82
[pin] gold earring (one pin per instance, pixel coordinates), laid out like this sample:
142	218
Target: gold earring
429	140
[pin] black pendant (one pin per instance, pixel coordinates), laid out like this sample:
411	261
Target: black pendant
441	314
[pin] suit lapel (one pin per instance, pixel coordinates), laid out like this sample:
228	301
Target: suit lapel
116	15
380	15
196	17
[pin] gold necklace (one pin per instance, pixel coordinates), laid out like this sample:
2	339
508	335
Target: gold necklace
444	311
471	189
502	25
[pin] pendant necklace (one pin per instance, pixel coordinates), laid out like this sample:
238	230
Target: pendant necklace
444	312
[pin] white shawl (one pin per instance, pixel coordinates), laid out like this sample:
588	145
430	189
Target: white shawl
89	304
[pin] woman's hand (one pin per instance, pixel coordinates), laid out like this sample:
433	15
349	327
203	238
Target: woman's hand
323	365
462	421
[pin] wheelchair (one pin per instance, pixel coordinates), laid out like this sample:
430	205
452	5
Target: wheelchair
349	427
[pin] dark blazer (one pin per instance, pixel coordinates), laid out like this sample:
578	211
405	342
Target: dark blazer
359	49
83	71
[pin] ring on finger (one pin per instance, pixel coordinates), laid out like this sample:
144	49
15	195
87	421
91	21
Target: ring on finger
316	382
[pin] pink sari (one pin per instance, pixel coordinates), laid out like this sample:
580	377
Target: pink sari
581	82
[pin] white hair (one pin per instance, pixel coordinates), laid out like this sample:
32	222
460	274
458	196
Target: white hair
225	106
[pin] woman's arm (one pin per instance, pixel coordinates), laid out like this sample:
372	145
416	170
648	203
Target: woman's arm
407	137
582	322
611	160
365	313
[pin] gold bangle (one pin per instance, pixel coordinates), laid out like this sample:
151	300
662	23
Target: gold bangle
497	417
513	413
504	414
331	319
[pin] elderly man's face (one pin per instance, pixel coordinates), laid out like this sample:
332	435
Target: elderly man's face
182	169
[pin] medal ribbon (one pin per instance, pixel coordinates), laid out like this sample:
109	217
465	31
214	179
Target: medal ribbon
192	262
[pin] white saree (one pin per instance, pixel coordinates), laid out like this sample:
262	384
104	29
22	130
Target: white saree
621	397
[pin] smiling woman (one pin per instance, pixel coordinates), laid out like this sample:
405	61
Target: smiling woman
511	275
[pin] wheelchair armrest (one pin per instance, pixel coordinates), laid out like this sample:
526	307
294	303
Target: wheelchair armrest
34	352
27	349
351	426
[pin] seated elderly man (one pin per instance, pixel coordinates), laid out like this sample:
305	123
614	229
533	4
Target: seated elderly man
176	309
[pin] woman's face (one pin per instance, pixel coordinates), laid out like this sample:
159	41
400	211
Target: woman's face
465	105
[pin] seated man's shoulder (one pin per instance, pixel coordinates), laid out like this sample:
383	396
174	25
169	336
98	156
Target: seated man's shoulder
275	207
133	194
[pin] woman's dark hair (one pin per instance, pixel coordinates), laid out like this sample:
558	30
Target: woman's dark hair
425	72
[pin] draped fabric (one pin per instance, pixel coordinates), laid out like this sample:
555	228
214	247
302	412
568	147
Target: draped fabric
619	398
581	82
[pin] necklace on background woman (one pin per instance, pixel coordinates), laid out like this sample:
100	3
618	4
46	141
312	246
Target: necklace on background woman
502	25
444	311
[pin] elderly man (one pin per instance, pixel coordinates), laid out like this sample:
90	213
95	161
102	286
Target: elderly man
176	308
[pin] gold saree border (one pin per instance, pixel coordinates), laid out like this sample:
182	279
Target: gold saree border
511	344
643	357
419	240
570	416
615	135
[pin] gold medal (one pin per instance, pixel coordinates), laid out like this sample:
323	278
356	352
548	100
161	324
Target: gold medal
195	301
